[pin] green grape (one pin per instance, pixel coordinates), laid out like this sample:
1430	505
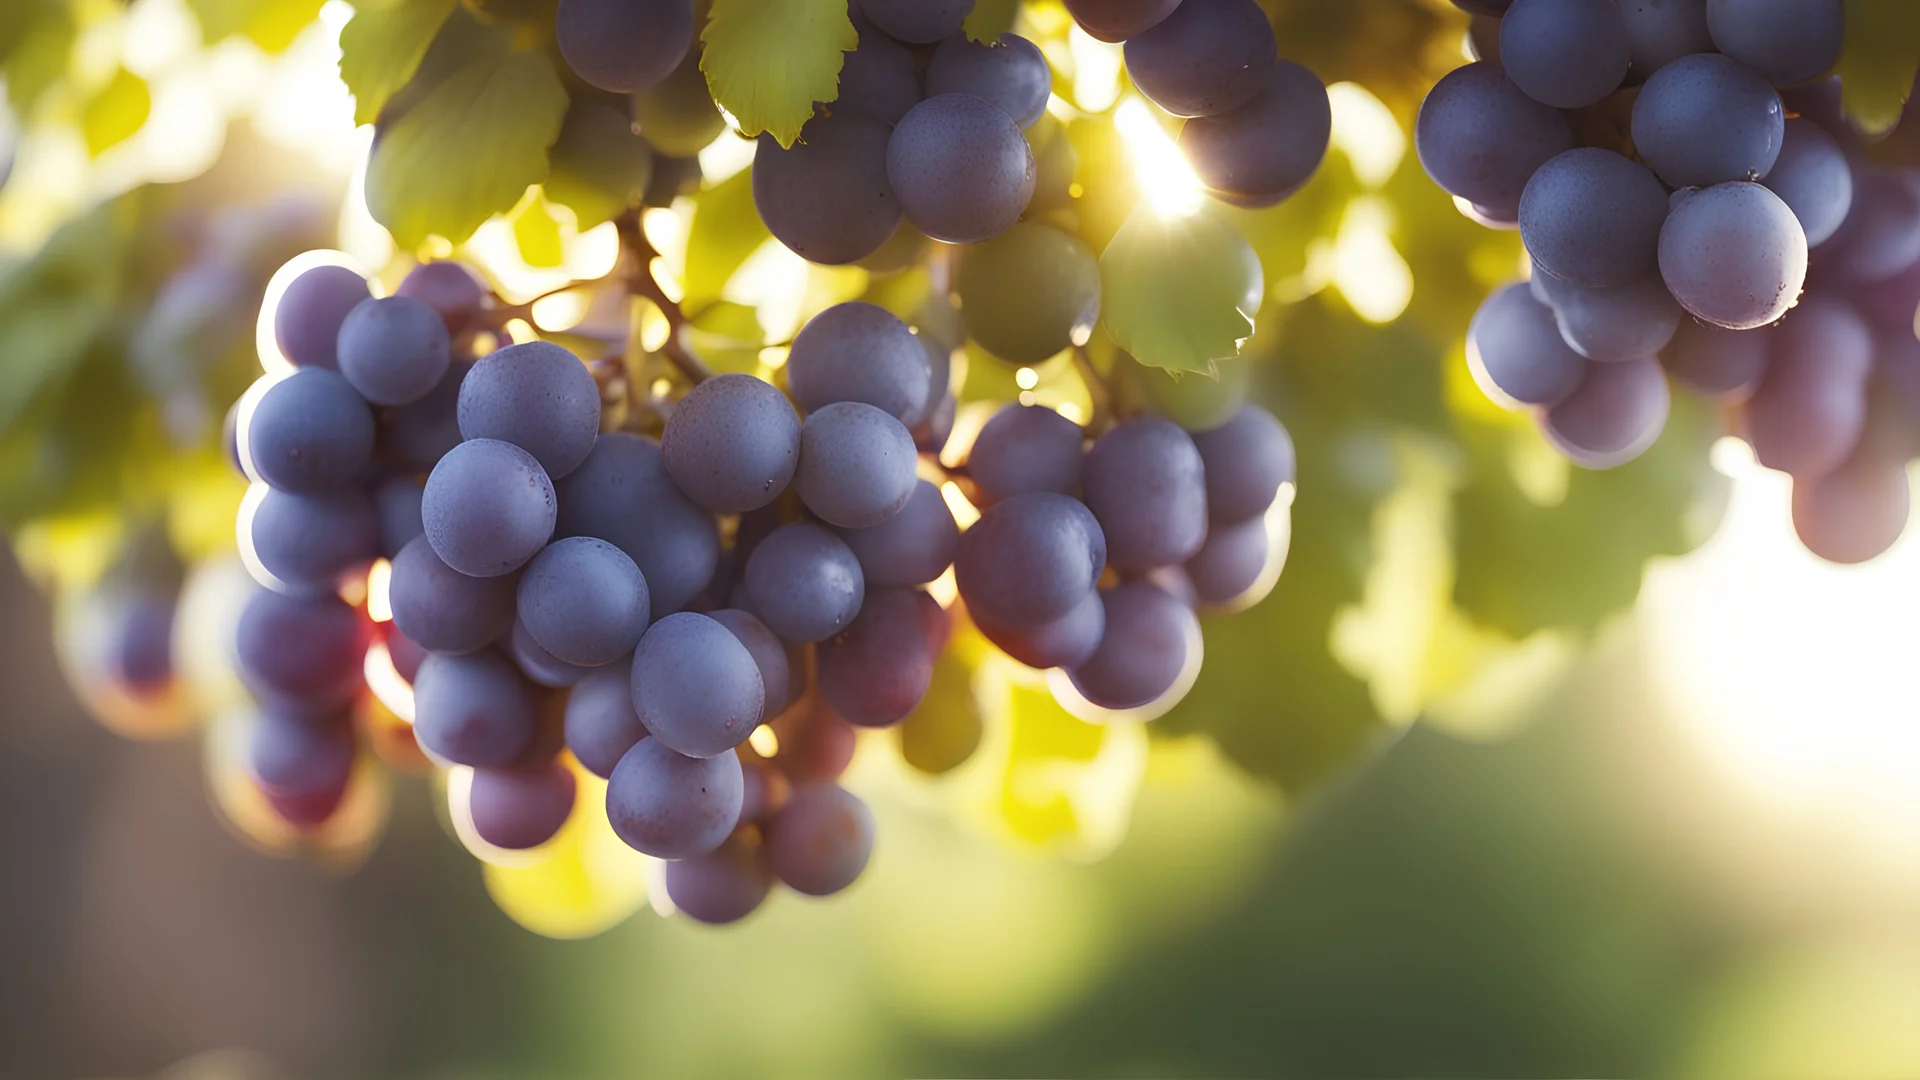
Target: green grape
678	117
1029	292
598	166
1193	400
1054	162
944	730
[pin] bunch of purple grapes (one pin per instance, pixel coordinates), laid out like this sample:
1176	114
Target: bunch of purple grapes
1696	206
927	125
647	605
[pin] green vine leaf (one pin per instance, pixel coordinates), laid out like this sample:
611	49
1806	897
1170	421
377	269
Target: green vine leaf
116	113
381	48
768	61
470	146
990	18
1180	292
270	24
726	230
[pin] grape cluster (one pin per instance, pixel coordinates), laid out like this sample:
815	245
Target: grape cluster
941	153
1696	207
645	606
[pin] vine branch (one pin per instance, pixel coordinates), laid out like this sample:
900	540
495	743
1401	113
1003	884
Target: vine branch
641	282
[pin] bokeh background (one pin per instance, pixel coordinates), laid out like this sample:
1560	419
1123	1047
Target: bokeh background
1519	771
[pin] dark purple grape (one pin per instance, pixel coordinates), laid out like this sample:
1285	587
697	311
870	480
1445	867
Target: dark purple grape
444	610
1592	217
488	508
306	324
1788	41
960	168
308	651
1025	448
1854	513
394	350
918	22
859	352
696	686
877	670
473	710
1230	562
1146	485
1481	138
1266	149
601	725
912	547
879	81
1708	119
1618	412
1246	460
624	45
307	541
1142	652
1010	73
828	197
309	432
820	842
1118	20
671	806
804	583
732	443
584	601
1205	58
1029	559
724	885
1565	53
1810	408
449	288
856	465
521	806
537	396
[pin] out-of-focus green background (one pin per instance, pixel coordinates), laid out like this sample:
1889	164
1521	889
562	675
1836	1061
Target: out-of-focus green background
1516	772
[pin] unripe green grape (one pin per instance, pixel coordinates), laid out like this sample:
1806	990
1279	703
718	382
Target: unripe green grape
598	166
678	117
1054	162
1029	292
1192	399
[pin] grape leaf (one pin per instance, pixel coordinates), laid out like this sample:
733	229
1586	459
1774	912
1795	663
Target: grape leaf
1179	292
381	48
471	145
768	61
725	230
990	18
1882	54
270	24
116	113
1516	557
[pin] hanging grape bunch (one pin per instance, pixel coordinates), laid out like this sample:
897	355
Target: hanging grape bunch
1696	206
696	586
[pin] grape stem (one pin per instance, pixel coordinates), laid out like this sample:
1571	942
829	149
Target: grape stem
1098	391
641	282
